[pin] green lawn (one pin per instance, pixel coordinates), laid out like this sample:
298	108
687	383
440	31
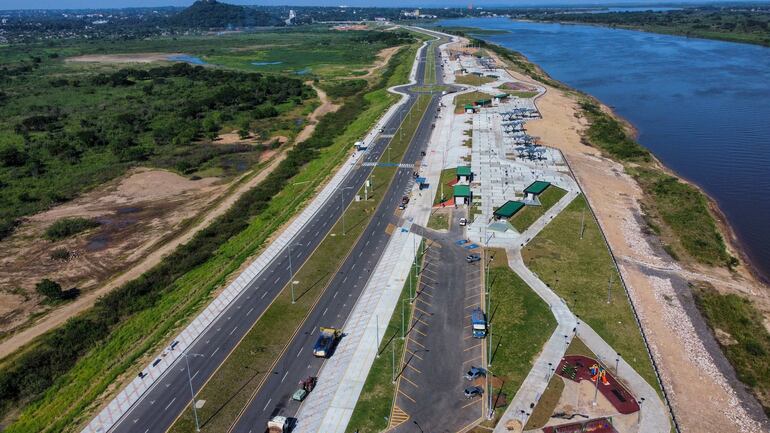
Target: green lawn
525	217
438	220
373	407
473	80
579	270
447	175
430	64
469	98
742	336
520	322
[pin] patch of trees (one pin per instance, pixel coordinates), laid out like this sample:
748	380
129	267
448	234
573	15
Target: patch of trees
67	227
213	14
342	88
55	150
30	374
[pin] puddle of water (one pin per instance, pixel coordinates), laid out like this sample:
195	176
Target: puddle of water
304	71
187	59
265	63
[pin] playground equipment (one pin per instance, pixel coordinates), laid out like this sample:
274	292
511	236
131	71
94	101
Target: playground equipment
597	372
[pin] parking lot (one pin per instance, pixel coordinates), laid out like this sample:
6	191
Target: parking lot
439	345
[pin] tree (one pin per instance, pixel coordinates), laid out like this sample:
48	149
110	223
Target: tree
50	289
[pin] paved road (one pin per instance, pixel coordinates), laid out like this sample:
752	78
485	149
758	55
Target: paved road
440	348
170	395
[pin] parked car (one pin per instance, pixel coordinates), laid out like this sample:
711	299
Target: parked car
470	258
475	372
473	391
305	386
463	221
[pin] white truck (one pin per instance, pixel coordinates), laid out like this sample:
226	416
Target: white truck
279	424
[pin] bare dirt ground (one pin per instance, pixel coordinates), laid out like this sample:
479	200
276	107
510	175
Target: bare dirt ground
578	398
163	204
135	211
383	57
122	58
703	398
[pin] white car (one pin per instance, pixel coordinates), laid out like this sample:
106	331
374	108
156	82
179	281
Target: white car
463	221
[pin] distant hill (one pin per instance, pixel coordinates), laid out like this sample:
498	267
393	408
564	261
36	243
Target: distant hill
213	14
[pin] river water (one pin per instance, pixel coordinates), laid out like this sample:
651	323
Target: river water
701	106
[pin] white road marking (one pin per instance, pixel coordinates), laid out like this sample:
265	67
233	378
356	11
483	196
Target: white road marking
335	294
263	295
284	376
300	351
170	403
249	312
231	332
324	313
215	351
196	373
268	402
277	279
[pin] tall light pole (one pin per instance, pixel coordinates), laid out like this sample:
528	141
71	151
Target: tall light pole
403	319
342	206
291	272
192	391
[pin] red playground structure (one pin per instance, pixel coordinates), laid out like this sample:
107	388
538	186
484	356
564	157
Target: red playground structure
578	367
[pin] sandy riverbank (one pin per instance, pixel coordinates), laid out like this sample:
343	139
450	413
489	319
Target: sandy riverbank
704	392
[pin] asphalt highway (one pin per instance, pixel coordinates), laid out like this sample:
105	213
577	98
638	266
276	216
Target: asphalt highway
170	395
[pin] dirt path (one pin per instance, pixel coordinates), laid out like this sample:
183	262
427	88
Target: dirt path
684	353
383	57
60	315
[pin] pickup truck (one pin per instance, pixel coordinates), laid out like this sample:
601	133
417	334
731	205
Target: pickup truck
327	339
278	424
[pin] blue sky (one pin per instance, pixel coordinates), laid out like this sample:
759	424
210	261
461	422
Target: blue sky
73	4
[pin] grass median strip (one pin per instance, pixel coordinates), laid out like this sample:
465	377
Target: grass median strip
230	389
520	322
374	405
581	270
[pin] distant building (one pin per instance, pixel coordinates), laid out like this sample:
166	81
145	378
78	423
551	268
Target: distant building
292	17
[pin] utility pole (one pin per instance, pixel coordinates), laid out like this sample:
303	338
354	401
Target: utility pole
582	222
192	392
609	288
393	359
377	335
342	206
291	273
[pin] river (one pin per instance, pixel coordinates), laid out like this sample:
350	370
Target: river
701	106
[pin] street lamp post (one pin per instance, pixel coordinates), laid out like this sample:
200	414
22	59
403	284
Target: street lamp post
342	206
192	391
291	272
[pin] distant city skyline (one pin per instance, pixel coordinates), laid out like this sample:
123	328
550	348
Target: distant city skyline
108	4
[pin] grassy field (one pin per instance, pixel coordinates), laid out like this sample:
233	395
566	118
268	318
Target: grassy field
266	340
525	217
675	210
520	323
473	80
430	64
71	399
469	98
447	175
519	93
739	328
373	407
438	220
580	271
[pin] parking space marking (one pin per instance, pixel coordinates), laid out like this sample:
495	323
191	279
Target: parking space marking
475	304
417	343
413	368
406	395
421	321
475	358
472	347
475	400
412	383
420	309
476	295
423	291
419	332
414	354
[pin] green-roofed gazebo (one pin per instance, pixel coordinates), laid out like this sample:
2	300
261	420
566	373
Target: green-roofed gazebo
501	96
469	108
508	210
483	102
463	173
462	194
535	189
